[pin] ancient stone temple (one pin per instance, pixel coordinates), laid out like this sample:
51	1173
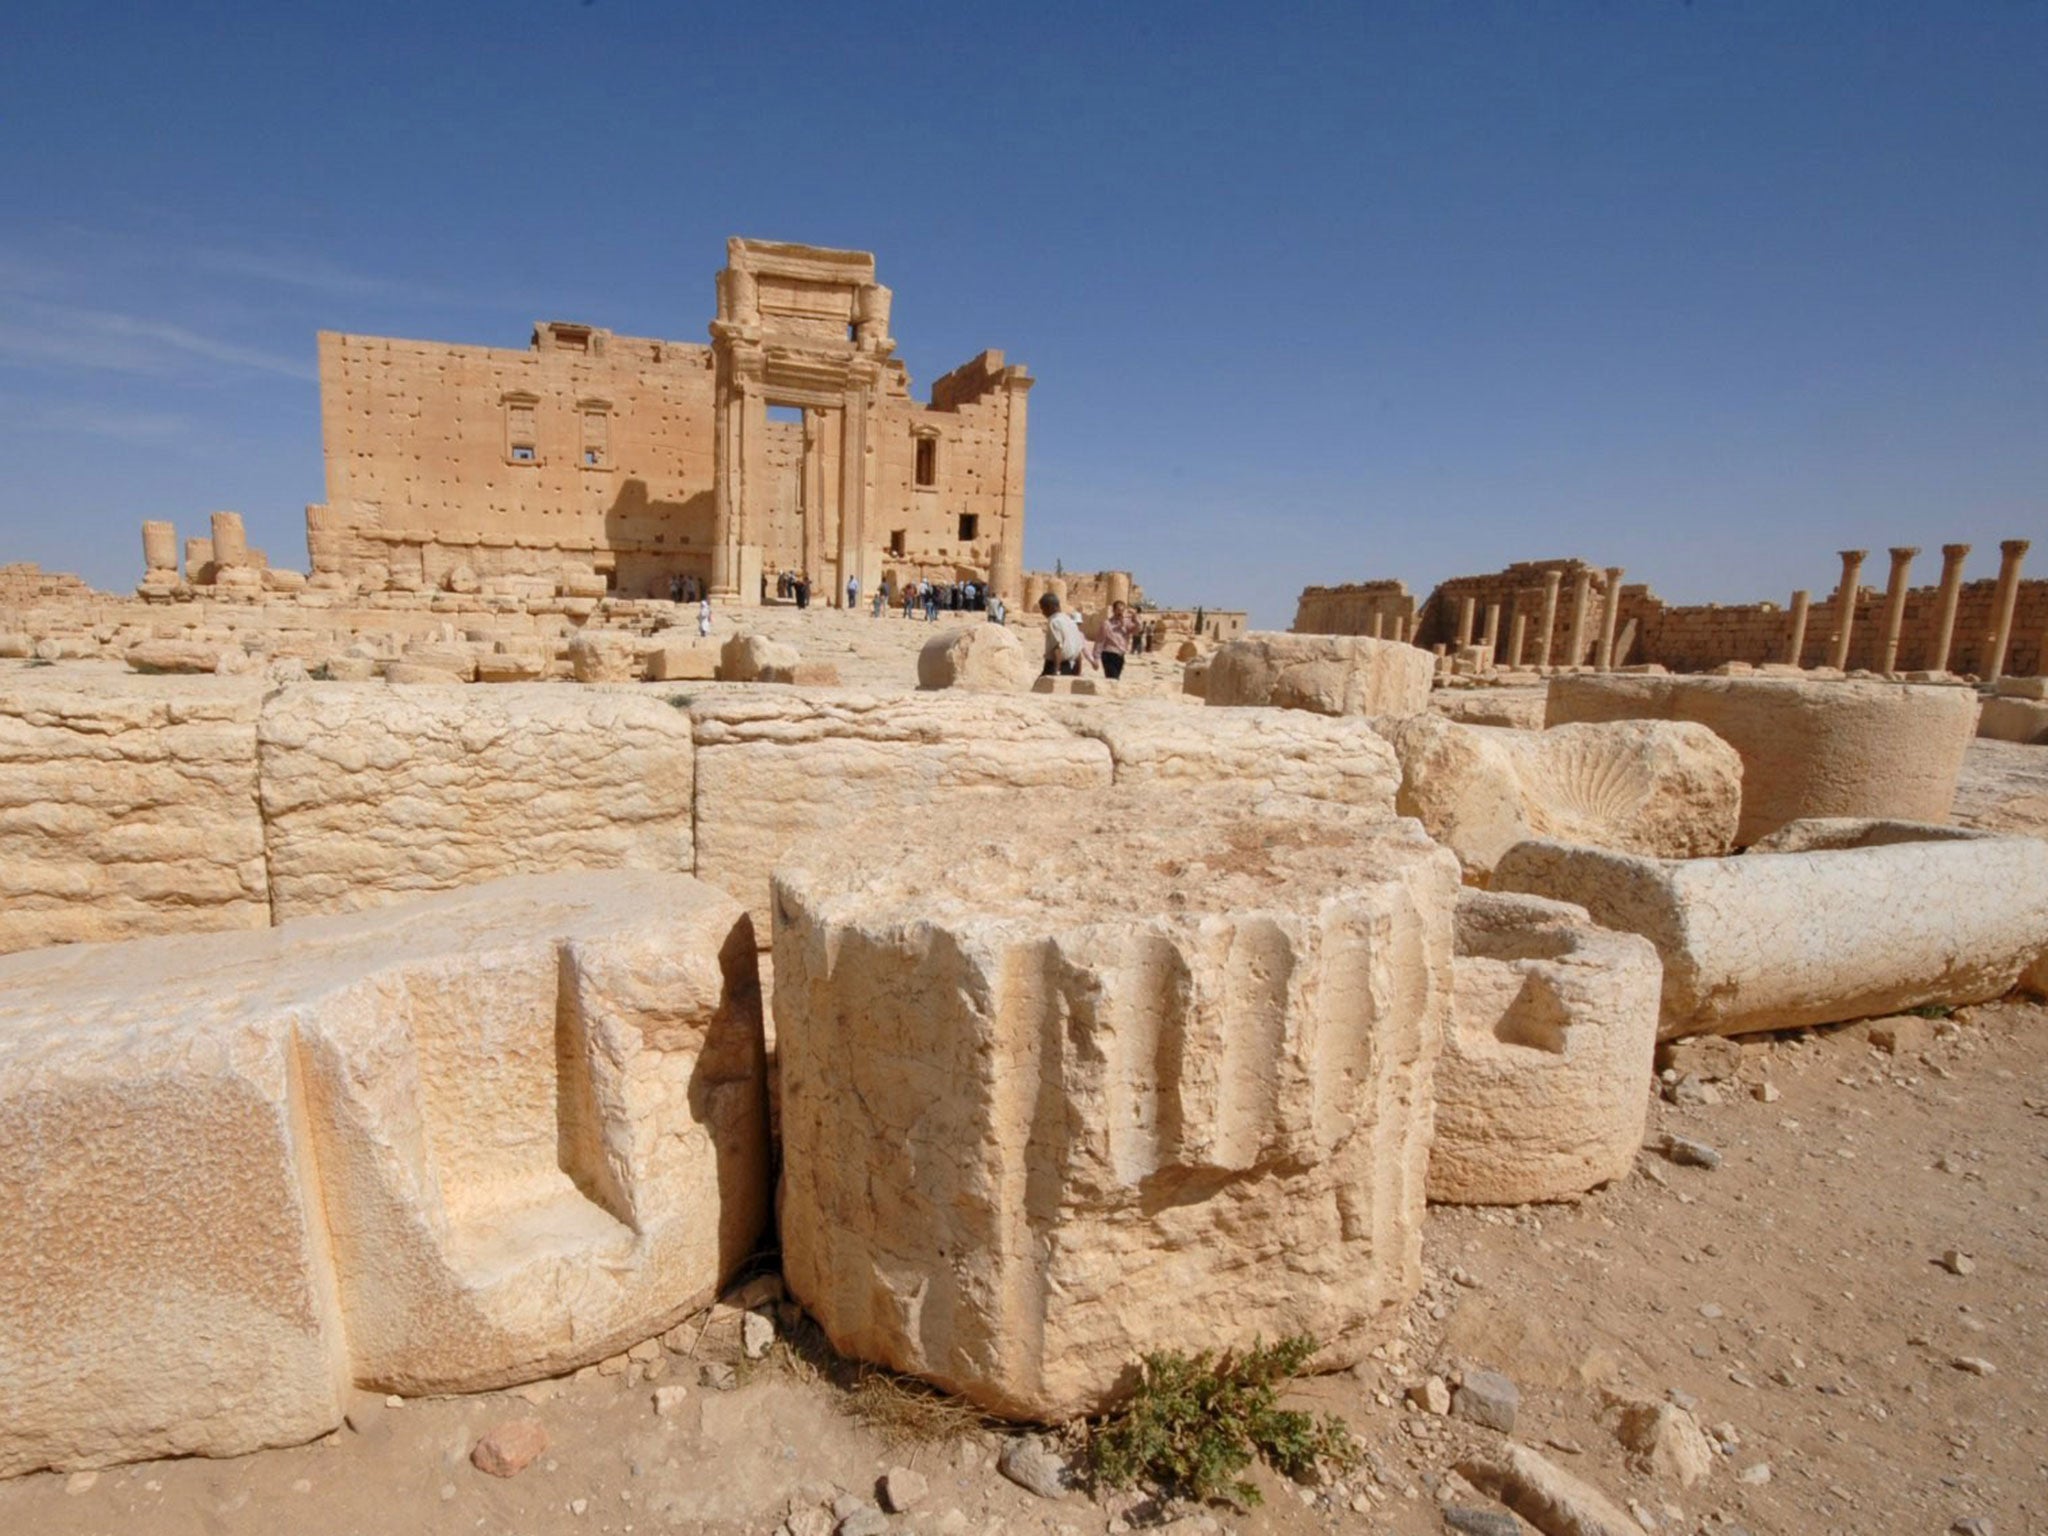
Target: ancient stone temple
791	444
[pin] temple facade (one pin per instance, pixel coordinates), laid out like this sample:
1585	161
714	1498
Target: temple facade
788	445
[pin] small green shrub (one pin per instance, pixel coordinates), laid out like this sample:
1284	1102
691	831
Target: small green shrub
1194	1424
1932	1011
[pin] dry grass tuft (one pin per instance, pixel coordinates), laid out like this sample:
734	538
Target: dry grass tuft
907	1412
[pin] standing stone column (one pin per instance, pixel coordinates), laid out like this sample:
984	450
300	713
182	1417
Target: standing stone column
1845	607
1549	629
1582	591
1610	617
1795	644
230	543
159	546
2010	553
1895	608
1464	622
1490	637
1952	558
1517	631
1379	624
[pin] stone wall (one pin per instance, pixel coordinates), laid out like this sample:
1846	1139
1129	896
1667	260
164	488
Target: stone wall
147	805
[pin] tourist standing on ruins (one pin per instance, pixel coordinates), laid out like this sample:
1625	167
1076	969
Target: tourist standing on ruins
1065	645
997	613
931	603
704	618
1119	629
852	593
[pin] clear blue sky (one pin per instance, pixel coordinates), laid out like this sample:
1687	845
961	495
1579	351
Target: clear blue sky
1313	293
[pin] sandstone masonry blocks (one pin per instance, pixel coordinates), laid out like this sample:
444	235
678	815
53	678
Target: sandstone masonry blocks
491	1136
1329	674
773	769
128	807
1033	1128
372	795
1809	748
1168	745
1544	1085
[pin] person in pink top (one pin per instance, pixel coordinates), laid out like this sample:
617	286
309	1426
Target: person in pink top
1119	630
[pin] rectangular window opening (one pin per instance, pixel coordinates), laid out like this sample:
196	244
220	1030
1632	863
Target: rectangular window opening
898	542
789	413
927	461
522	453
970	525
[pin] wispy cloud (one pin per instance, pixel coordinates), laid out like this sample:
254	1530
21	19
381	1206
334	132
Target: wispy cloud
64	336
81	419
316	274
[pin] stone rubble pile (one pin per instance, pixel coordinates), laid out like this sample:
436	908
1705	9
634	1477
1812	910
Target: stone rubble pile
432	1055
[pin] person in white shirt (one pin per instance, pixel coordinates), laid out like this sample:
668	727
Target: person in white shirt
1065	645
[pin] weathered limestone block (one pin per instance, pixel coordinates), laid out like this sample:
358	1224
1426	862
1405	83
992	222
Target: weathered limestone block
602	658
446	655
1543	1089
1515	708
1845	748
1329	674
1194	678
1664	788
1032	1128
680	661
983	656
182	656
756	659
2015	719
408	673
493	1136
1155	742
1852	920
580	581
127	807
509	667
373	795
775	768
278	580
238	583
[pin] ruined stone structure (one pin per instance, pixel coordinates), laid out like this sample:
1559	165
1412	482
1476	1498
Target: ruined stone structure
1557	613
790	443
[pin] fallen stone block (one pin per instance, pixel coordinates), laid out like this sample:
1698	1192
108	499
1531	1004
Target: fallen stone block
683	661
1033	1128
981	656
484	1139
602	658
128	807
1847	920
1258	751
1809	748
1328	674
756	659
374	795
1543	1087
1544	1494
772	769
2023	720
1667	789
